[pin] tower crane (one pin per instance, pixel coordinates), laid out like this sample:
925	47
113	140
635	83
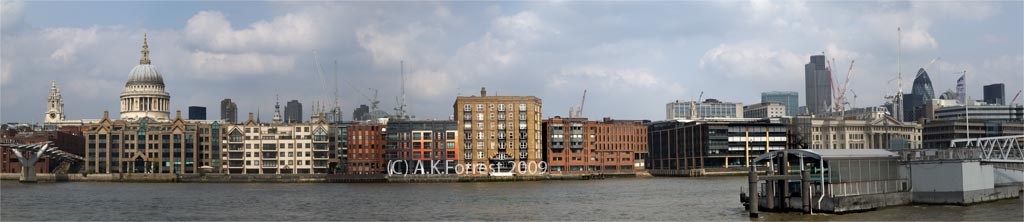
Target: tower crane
1015	98
854	103
400	111
839	94
579	112
841	98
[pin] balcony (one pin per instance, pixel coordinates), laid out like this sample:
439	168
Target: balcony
271	155
319	163
320	155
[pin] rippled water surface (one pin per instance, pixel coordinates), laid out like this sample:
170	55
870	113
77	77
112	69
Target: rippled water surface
711	198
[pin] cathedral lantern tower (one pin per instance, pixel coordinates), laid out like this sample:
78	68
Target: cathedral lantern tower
54	106
144	95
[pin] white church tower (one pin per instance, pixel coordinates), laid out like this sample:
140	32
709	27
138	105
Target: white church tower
54	106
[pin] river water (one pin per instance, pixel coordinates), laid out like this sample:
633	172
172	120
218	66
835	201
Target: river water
708	198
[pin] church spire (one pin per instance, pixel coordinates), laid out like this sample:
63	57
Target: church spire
277	110
145	50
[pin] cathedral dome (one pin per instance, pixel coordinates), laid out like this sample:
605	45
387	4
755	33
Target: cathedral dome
145	74
144	95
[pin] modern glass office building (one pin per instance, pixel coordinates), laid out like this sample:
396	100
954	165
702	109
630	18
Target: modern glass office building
789	99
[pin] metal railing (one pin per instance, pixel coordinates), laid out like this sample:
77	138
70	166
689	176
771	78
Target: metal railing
941	154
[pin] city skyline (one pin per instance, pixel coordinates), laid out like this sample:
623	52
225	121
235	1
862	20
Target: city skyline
250	52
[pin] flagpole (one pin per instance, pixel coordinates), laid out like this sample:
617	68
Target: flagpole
967	108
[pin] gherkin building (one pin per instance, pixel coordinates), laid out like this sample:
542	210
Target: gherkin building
923	86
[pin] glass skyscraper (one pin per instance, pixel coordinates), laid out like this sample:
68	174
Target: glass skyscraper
789	99
920	94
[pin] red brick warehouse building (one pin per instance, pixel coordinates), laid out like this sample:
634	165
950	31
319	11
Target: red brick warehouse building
580	146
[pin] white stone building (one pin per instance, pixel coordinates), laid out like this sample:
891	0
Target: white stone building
259	148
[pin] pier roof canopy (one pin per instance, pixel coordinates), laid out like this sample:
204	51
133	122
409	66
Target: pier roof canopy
826	154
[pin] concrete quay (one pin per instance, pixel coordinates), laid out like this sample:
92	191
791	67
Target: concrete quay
299	178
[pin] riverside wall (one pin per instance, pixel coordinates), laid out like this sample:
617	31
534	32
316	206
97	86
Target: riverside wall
298	178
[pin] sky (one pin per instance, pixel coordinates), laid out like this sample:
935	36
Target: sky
631	57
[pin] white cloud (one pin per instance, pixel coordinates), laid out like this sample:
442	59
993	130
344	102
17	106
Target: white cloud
972	10
203	63
428	83
914	29
444	14
524	26
753	62
385	49
289	32
5	73
11	15
413	44
607	77
70	41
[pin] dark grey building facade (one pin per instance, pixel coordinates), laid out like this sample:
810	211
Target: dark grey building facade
787	98
228	111
197	113
293	112
361	113
995	94
676	147
817	86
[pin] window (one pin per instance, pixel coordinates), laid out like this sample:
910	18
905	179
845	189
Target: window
480	155
522	107
466	107
320	135
501	107
479	107
479	116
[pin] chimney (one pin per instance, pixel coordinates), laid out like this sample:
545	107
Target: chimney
250	116
177	114
483	91
106	114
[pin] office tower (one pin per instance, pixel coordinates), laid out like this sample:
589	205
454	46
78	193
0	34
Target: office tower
197	113
995	94
818	86
228	111
293	112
